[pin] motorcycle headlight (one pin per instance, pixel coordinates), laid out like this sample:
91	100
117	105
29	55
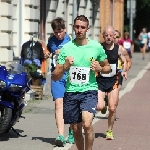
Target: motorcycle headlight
2	84
15	88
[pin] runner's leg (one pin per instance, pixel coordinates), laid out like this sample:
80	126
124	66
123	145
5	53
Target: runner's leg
119	87
112	104
101	102
141	49
87	118
72	115
144	50
59	115
79	140
58	89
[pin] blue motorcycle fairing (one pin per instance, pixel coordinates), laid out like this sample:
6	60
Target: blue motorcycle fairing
3	73
7	104
18	79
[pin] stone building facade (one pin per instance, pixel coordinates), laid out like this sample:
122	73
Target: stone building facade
20	19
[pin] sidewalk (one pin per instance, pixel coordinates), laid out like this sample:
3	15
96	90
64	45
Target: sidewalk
131	130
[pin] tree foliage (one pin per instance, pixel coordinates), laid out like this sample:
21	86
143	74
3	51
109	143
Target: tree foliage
141	4
142	18
142	14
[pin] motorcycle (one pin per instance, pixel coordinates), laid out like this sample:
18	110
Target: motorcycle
14	83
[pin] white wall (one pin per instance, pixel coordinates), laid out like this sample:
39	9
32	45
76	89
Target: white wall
20	18
26	14
5	32
65	11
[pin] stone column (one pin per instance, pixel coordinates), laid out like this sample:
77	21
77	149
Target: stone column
6	31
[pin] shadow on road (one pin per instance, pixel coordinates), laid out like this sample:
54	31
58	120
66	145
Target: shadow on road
11	134
100	135
47	140
99	117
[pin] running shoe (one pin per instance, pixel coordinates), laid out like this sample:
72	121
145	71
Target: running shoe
60	141
116	119
109	135
70	137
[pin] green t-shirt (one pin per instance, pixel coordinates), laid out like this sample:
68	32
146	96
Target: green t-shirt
79	77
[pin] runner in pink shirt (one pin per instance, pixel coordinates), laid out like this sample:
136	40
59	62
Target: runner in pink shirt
127	43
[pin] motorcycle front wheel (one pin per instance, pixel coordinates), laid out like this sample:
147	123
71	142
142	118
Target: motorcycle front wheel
5	118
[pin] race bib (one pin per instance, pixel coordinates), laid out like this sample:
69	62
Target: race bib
79	75
127	45
112	73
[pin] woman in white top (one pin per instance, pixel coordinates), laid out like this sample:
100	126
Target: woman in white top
143	42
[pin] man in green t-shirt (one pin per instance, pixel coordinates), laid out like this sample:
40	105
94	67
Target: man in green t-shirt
82	58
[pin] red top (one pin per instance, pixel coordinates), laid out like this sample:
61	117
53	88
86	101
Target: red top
126	43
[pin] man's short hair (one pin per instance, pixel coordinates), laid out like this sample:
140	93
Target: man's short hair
58	24
82	18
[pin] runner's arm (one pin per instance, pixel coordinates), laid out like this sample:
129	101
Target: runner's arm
48	48
58	72
122	56
61	68
128	60
48	53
